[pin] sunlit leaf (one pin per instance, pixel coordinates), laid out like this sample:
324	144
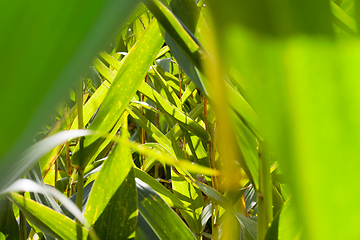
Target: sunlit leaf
48	220
134	70
164	193
112	190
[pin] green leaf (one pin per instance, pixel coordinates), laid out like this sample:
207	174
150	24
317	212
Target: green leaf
242	107
92	105
63	124
169	21
151	129
164	193
144	231
49	221
288	229
72	33
35	175
178	115
343	20
12	171
248	227
8	225
181	41
124	86
192	199
169	159
191	196
107	141
248	145
114	194
159	216
167	107
160	81
23	185
118	219
188	91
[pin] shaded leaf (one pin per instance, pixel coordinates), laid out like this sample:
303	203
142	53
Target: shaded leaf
164	193
8	224
156	212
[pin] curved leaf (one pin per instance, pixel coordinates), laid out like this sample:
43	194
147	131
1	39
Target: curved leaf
15	170
159	216
8	225
48	220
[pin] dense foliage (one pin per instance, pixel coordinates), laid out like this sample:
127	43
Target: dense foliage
179	119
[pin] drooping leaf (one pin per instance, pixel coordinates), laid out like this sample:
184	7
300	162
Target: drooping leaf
23	185
180	40
343	20
144	230
118	219
164	193
191	196
49	221
152	130
111	206
62	125
12	171
160	81
124	85
156	212
177	114
35	175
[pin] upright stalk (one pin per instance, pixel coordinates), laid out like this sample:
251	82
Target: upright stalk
68	167
22	222
80	183
180	80
56	169
211	154
264	196
80	188
156	174
205	113
79	104
143	140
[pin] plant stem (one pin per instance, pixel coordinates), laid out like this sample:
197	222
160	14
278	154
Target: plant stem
79	200
156	174
183	137
56	173
68	166
22	222
56	169
264	199
205	114
143	131
79	104
80	183
80	186
212	152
